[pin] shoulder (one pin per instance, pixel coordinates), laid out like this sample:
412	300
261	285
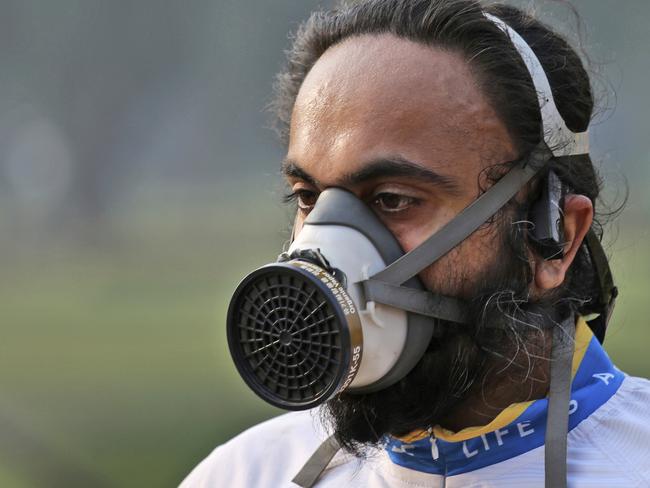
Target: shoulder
620	433
268	454
625	415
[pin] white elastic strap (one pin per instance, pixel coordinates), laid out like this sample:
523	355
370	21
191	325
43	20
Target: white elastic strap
559	138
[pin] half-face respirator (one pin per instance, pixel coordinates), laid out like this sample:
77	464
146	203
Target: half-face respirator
343	309
302	329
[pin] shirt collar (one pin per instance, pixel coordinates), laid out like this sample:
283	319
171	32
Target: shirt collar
518	428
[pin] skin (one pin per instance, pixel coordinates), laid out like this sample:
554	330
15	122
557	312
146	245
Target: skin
408	130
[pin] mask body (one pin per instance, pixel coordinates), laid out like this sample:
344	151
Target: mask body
302	330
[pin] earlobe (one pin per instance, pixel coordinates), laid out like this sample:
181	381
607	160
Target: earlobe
577	214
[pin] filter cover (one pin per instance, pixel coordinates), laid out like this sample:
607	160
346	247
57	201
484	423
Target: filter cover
294	334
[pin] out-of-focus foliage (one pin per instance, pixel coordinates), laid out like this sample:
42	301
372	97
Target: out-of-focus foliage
138	184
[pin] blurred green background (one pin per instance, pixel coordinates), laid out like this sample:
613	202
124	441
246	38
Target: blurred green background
138	184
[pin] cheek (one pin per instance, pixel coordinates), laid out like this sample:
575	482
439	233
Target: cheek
413	232
408	237
454	273
457	272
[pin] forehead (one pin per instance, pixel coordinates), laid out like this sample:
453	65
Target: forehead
377	95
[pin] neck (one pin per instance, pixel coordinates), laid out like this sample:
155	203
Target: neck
521	378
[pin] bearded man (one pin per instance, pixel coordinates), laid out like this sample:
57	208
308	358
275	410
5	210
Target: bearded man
441	308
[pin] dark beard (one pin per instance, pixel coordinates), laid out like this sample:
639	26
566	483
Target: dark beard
427	394
502	319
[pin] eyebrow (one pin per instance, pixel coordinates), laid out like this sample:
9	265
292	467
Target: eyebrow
381	168
290	169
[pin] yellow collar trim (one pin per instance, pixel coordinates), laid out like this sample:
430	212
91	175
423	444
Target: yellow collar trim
510	413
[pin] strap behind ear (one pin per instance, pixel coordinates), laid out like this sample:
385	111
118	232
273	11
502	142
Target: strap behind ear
603	304
546	217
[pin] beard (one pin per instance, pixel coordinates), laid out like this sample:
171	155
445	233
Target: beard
505	335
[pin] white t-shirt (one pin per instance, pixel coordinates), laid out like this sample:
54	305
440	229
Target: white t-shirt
608	443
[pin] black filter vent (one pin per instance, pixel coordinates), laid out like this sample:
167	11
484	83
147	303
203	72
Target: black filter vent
288	336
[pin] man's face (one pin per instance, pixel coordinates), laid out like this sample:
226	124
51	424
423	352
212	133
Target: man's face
406	128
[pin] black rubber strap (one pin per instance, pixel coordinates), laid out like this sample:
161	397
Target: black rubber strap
466	222
608	291
316	464
601	264
417	301
559	396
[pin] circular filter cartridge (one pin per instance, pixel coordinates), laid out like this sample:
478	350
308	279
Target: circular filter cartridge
294	334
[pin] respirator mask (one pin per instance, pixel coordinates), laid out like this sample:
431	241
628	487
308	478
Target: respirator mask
343	310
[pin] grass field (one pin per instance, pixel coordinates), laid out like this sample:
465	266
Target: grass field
113	365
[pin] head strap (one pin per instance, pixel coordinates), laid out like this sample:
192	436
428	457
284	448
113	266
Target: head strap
557	136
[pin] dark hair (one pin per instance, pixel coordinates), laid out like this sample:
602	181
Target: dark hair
460	26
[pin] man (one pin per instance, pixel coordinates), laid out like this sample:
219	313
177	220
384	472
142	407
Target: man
434	120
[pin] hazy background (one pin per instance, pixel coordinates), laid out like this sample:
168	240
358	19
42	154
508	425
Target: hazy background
138	184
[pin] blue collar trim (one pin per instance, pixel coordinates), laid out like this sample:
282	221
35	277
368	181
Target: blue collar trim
595	382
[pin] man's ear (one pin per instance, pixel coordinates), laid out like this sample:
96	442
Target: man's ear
578	213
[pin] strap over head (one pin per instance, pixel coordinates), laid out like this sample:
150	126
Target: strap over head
557	136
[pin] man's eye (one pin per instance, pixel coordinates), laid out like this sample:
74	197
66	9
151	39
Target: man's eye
305	199
392	202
